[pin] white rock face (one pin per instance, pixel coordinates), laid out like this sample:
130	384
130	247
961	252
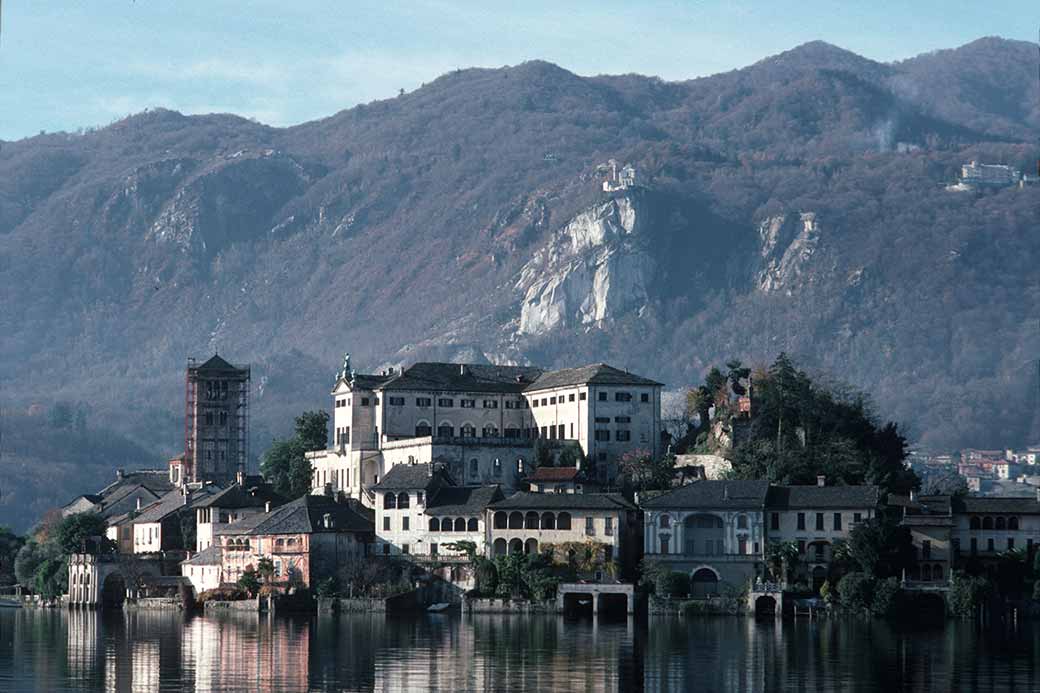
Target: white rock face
594	269
787	246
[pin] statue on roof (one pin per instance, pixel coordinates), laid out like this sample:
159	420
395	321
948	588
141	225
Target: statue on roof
345	370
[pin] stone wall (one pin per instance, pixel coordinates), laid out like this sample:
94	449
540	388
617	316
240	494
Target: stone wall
155	603
508	606
239	605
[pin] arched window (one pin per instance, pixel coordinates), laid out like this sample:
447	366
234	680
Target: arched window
703	535
926	572
516	520
499	547
435	524
468	430
1013	523
975	523
937	572
446	524
987	523
490	431
548	521
402	500
531	546
474	468
666	521
446	430
423	429
742	522
472	526
516	546
563	521
460	524
501	520
290	541
531	520
389	501
1001	523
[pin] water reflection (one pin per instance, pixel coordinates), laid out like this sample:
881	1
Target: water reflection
148	651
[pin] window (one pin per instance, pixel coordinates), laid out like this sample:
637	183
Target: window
622	396
582	396
402	500
386	524
509	404
989	545
552	432
801	520
774	521
544	401
801	546
471	525
545	432
404	523
602	435
1010	543
418	497
446	431
590	526
534	403
602	419
837	522
395	401
422	429
563	521
926	549
433	549
552	400
389	501
560	431
405	549
664	543
603	397
857	518
468	431
364	401
645	397
435	524
608	526
622	419
467	403
474	468
445	402
497	467
572	430
1013	523
423	401
491	404
223	418
742	522
819	522
209	418
623	436
570	397
666	521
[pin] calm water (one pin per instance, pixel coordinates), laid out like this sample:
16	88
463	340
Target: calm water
86	651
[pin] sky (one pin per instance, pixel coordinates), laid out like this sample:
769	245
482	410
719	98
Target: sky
68	64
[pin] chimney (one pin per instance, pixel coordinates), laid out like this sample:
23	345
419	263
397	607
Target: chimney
139	500
329	524
462	369
267	507
185	494
821	480
913	495
240	478
120	474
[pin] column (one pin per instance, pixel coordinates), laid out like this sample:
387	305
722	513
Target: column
631	598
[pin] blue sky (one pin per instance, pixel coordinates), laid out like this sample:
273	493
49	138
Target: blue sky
68	64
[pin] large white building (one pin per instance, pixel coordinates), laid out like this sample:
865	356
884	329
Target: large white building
481	422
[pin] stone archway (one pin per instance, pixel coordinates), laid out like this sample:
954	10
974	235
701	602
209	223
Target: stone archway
113	591
765	606
704	583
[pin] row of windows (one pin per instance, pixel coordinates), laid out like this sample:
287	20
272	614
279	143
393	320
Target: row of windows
991	523
602	435
459	525
549	401
221	417
836	523
990	545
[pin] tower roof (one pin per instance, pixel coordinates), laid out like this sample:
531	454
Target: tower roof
215	363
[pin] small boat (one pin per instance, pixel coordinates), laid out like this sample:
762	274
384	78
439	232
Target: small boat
438	607
584	602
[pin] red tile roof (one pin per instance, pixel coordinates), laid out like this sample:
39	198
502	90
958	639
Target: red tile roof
554	474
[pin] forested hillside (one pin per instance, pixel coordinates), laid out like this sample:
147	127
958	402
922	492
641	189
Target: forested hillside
440	224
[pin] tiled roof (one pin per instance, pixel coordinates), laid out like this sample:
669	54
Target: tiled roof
462	500
997	505
470	377
563	501
235	496
306	515
208	556
215	363
155	480
713	494
593	374
173	502
404	477
554	474
822	497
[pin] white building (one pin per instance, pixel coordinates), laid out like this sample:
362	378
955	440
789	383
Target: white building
481	422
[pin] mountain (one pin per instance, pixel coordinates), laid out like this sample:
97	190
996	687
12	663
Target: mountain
797	204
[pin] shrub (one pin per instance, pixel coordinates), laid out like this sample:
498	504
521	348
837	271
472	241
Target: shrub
486	576
826	593
855	591
967	593
327	588
674	585
223	594
886	597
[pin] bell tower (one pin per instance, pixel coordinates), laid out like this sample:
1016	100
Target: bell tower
216	421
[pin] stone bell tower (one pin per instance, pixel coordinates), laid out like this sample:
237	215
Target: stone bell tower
216	421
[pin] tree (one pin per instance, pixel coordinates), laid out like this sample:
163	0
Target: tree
880	547
542	454
647	473
782	557
71	533
249	581
287	468
312	430
265	567
10	545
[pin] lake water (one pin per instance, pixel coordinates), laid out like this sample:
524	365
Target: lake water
53	650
